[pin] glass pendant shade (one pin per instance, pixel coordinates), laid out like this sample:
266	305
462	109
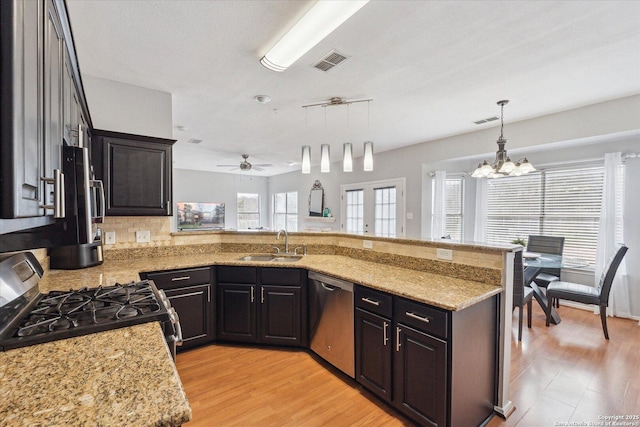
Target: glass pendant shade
306	159
325	162
368	156
347	157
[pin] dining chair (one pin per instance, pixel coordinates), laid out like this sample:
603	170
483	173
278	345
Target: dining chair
521	294
547	245
596	295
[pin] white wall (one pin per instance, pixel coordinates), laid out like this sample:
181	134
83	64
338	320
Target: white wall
121	107
198	186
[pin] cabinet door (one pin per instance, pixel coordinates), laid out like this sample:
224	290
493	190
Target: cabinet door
280	314
193	305
236	312
373	353
53	96
21	132
420	376
137	177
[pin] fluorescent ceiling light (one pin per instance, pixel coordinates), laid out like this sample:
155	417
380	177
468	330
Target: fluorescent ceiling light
324	17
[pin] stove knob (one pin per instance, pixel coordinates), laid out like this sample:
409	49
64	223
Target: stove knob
164	299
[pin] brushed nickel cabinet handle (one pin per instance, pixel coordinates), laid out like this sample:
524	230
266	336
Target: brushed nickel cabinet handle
58	193
261	295
398	339
177	279
370	301
385	338
420	318
252	293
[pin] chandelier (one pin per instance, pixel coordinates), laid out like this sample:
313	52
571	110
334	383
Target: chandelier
502	164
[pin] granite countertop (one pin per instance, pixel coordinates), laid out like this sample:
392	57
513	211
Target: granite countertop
119	377
441	291
126	376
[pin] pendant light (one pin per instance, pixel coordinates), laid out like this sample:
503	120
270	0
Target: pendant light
368	145
325	158
347	150
502	164
306	159
306	150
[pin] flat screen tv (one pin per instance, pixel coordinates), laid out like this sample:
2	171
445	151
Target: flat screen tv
200	216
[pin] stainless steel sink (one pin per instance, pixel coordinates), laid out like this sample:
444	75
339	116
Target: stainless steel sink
256	258
286	258
274	258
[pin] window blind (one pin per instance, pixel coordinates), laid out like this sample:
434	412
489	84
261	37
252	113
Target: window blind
557	202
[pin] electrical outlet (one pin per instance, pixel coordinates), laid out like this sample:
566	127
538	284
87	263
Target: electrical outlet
143	236
445	254
110	238
367	244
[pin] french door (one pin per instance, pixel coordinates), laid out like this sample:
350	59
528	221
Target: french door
375	208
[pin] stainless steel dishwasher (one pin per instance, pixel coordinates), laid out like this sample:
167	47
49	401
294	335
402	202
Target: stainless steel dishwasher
331	321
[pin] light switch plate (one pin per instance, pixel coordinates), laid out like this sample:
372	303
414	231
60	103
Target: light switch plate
143	236
446	254
367	244
110	238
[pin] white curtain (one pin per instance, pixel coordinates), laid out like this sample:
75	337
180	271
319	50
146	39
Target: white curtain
439	220
480	229
610	234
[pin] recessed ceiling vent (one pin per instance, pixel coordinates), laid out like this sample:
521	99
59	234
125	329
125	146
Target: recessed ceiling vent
194	141
330	61
488	119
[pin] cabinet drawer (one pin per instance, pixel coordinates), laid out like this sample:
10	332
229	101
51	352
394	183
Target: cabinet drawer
422	317
374	301
181	278
231	274
279	276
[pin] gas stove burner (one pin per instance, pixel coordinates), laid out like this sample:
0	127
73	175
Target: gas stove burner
63	314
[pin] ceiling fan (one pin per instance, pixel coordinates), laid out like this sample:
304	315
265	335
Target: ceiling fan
246	166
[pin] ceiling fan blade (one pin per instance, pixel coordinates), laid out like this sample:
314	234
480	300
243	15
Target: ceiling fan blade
227	166
255	168
263	165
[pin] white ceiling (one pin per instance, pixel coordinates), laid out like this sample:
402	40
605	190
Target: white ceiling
431	67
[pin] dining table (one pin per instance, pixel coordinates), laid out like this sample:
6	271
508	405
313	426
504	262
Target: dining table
534	263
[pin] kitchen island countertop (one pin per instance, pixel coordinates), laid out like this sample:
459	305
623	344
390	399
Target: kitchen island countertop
119	377
445	292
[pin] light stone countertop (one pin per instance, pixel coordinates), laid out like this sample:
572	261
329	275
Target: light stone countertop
126	376
441	291
121	377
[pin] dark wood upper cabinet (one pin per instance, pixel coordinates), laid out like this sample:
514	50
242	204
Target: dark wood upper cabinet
38	76
136	171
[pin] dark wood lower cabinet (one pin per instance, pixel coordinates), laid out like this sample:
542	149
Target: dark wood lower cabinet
437	367
236	312
373	353
190	293
280	309
420	376
193	305
262	305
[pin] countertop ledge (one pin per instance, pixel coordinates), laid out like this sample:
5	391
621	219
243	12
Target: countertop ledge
441	291
119	377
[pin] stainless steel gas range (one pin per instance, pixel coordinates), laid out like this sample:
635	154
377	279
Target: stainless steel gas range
28	317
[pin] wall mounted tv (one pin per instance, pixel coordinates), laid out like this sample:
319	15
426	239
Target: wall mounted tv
200	216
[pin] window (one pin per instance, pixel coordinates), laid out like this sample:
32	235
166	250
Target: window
454	199
355	211
385	217
374	207
285	211
556	202
248	211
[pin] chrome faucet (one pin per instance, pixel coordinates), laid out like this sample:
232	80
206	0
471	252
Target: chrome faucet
286	240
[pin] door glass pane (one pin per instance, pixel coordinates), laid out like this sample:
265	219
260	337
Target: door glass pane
385	212
355	212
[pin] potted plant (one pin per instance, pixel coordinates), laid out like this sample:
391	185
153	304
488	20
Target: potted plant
519	241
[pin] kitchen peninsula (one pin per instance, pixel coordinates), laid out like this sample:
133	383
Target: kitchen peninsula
404	268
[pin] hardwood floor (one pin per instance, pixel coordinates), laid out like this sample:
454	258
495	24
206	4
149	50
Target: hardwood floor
567	372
